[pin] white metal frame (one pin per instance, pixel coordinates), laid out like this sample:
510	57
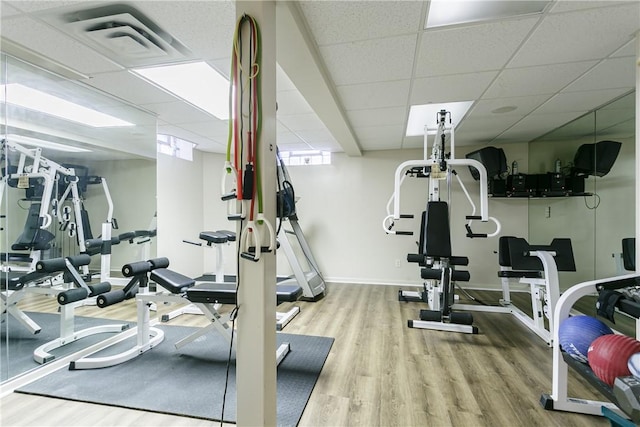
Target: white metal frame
559	395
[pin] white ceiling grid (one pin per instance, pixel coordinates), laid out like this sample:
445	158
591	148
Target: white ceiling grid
379	60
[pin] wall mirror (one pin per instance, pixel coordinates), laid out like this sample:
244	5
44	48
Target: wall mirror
598	219
69	175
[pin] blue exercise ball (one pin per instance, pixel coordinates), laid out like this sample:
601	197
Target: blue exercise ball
578	332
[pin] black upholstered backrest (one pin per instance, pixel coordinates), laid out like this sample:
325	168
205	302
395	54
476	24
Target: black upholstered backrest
504	259
32	236
435	237
629	253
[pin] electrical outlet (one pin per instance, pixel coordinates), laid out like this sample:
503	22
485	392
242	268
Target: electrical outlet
398	263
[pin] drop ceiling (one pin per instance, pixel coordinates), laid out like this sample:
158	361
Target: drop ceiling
348	72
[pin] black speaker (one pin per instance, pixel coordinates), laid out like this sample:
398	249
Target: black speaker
596	159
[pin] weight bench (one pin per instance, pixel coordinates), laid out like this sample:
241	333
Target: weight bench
206	296
15	285
537	266
68	300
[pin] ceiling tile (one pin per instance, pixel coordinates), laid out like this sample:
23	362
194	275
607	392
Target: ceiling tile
535	125
481	129
347	21
579	101
524	105
39	5
378	117
570	5
65	50
129	87
370	61
287	137
412	142
214	128
535	80
579	36
609	74
6	10
205	27
374	95
380	137
179	112
628	49
458	87
470	49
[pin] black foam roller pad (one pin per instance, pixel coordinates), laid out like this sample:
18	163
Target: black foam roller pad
110	298
72	295
100	288
78	260
51	265
135	268
162	262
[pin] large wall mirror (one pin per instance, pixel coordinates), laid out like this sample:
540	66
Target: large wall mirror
77	165
599	217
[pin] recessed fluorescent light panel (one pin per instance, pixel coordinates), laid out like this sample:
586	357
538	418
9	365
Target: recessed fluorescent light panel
36	142
451	12
426	115
42	102
196	83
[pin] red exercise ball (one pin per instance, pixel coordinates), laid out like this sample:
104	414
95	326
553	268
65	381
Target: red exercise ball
608	356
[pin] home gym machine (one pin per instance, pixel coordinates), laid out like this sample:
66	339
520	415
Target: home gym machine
39	177
435	242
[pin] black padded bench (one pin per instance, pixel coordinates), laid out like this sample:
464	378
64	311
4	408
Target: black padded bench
213	293
217	237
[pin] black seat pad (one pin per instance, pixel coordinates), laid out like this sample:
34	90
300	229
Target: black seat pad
226	293
175	283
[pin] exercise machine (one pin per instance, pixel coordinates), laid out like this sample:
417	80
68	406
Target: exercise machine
310	278
435	245
39	176
624	395
207	296
536	266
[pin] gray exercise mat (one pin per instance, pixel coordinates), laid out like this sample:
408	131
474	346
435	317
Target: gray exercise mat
189	381
16	349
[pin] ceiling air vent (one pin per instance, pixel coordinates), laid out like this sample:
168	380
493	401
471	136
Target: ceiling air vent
124	34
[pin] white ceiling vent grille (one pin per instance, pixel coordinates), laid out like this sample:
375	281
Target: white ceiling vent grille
125	35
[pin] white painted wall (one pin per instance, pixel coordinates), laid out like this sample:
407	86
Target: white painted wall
180	212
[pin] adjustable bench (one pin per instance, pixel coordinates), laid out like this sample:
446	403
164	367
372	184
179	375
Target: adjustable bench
206	296
68	300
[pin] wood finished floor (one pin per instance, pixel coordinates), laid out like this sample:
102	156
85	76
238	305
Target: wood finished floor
378	373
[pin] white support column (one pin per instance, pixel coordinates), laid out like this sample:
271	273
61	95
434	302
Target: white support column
637	234
256	339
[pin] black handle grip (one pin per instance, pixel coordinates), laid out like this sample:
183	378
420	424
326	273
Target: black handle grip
473	217
406	216
404	233
249	256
